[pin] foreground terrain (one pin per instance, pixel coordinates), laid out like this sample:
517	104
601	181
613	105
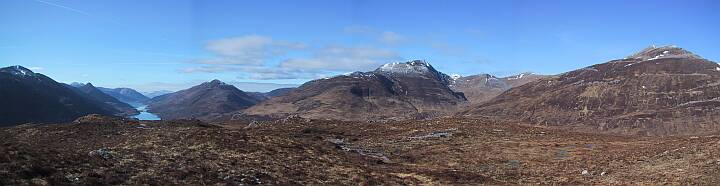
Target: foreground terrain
100	150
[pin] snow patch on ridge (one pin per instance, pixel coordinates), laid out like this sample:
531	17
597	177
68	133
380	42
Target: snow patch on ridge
18	70
520	76
664	52
412	67
455	76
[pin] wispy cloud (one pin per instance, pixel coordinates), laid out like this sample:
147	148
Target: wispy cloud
358	29
383	37
475	32
210	69
65	7
339	58
270	73
261	57
247	50
391	38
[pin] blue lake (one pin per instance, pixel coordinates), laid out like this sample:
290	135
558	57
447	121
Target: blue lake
144	115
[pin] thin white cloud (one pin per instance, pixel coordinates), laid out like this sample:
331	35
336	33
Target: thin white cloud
358	29
259	72
247	50
475	32
36	68
391	38
251	56
338	58
209	69
65	7
268	73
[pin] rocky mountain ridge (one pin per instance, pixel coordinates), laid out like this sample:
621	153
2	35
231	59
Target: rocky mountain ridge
657	91
409	90
29	97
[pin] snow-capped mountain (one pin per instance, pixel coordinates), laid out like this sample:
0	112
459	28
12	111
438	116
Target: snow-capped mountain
18	71
664	52
414	68
408	90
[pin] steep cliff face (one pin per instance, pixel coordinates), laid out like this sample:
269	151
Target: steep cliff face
394	91
658	91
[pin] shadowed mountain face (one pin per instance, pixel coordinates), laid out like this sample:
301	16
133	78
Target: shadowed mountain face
32	97
483	87
262	96
126	95
154	94
279	92
658	91
111	103
394	91
206	101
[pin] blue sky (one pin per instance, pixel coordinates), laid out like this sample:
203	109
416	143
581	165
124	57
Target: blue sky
173	44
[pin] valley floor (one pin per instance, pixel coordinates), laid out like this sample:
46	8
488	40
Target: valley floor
297	151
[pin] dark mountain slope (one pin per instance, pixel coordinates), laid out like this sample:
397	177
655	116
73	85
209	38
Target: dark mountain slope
126	95
658	91
206	101
26	96
116	105
262	96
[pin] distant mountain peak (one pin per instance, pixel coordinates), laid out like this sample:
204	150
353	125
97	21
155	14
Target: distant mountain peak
216	82
18	70
414	66
669	51
206	101
76	84
521	75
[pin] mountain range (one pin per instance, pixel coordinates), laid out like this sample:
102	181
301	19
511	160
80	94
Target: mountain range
482	87
407	90
29	97
126	95
657	91
153	94
110	102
